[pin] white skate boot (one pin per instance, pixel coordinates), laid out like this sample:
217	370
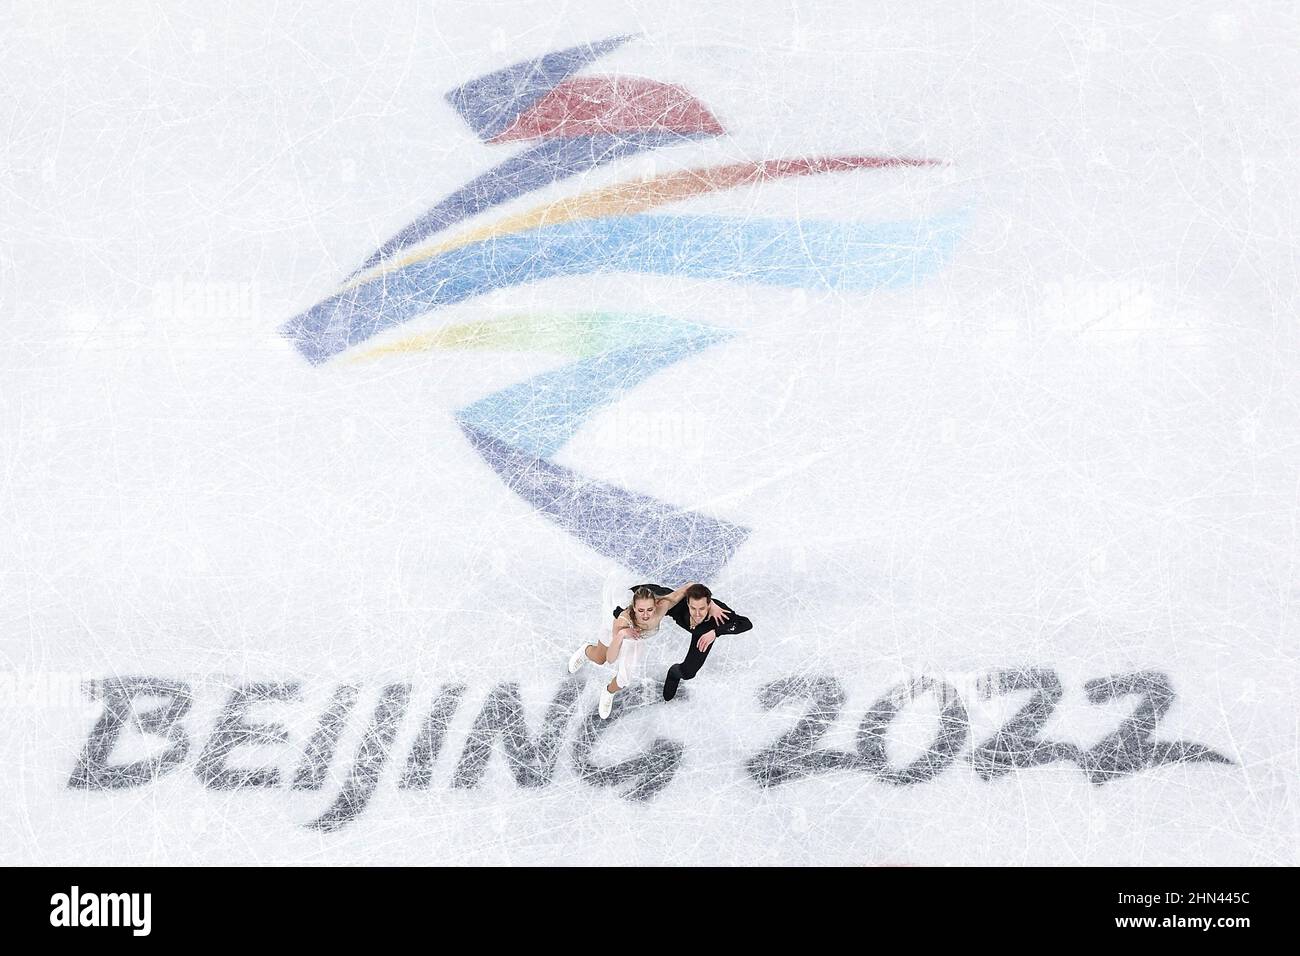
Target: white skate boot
606	703
578	659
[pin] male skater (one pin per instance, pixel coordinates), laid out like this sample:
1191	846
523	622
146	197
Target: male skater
705	618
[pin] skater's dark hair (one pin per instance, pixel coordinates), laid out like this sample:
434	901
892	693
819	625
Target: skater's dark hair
697	591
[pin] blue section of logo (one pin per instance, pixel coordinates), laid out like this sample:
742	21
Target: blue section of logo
518	429
534	168
538	416
813	254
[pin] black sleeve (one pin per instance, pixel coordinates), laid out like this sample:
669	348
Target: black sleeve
735	624
681	615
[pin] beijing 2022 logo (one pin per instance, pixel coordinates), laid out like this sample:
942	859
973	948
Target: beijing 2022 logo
570	123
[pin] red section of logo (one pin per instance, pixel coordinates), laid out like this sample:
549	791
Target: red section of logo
596	105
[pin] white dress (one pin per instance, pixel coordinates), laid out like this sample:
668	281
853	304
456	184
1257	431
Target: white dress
631	654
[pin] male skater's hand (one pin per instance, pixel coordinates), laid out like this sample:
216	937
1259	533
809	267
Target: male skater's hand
718	614
705	640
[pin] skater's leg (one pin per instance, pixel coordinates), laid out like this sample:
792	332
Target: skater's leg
587	652
691	665
626	670
606	706
695	657
688	668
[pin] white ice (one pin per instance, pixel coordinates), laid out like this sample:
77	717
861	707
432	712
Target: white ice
1074	448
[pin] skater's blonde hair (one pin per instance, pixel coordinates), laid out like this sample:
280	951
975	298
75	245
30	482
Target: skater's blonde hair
641	593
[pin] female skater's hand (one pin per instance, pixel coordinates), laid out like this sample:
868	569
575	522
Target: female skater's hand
705	640
718	614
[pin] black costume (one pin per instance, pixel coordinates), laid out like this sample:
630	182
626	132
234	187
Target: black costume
695	658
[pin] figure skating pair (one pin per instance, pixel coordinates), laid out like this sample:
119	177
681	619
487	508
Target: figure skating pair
622	643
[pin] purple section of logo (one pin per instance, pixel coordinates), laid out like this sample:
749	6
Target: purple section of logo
576	124
490	103
651	537
788	252
538	166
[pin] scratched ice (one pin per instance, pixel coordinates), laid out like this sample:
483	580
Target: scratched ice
349	360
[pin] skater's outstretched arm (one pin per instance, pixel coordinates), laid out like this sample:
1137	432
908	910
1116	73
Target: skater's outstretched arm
708	630
678	612
658	589
681	615
734	623
674	598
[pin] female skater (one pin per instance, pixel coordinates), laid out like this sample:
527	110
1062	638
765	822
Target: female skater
622	643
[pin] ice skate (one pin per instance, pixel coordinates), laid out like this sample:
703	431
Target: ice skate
606	704
578	659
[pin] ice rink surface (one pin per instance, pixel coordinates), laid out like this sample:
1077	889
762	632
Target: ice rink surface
954	344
